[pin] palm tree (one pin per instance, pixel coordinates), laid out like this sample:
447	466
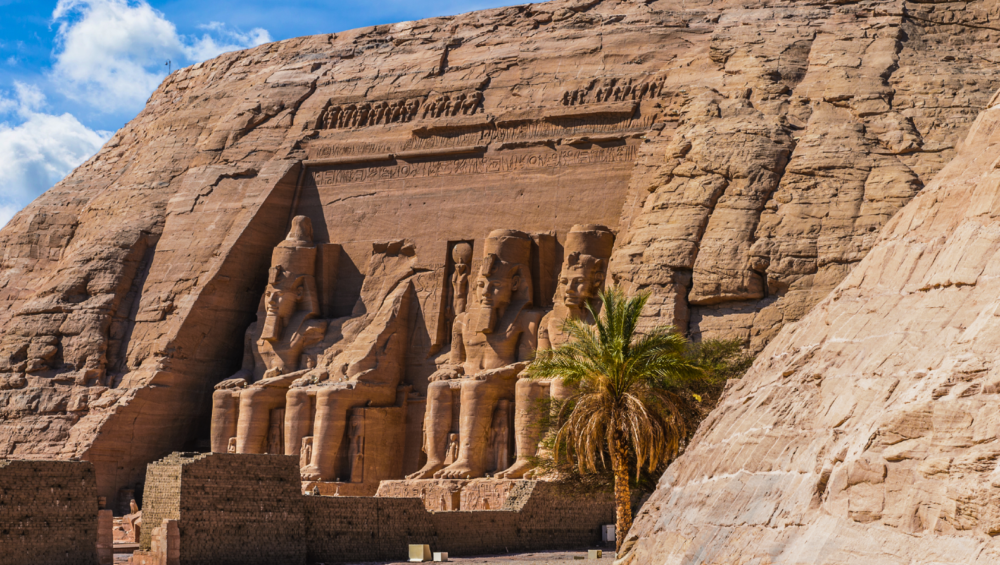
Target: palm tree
624	405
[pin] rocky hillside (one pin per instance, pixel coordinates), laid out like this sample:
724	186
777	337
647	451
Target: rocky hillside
766	144
867	431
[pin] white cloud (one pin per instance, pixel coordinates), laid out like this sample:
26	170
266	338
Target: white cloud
40	150
207	47
6	213
111	53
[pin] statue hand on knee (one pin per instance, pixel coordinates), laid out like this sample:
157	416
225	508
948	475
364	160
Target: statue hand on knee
235	383
447	373
312	378
506	372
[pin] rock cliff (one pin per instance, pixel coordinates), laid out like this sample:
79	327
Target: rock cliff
746	154
867	432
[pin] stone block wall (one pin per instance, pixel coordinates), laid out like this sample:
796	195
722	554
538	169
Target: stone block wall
248	509
230	508
162	497
48	513
537	515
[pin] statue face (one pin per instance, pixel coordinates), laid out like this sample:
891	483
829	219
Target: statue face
576	288
283	303
496	290
581	281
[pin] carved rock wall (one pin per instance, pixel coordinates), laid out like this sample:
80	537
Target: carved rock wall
746	155
867	431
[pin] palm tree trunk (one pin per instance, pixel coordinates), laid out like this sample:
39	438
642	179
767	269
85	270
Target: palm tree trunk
623	497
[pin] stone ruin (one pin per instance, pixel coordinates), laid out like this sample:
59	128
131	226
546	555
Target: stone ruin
745	158
336	393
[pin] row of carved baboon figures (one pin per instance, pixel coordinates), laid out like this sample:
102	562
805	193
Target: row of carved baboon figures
613	90
366	114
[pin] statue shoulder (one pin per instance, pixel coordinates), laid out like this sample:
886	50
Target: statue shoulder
535	315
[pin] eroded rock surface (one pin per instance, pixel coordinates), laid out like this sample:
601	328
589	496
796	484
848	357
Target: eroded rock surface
867	432
745	155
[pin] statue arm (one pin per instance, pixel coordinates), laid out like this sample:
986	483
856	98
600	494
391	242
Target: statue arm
528	342
310	333
457	356
544	342
248	359
454	369
245	374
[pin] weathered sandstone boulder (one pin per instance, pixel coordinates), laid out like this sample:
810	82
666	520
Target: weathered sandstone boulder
745	155
868	431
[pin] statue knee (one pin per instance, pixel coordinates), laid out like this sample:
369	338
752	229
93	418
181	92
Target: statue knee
296	399
334	398
438	389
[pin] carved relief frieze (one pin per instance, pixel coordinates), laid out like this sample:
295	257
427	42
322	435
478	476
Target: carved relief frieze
461	104
540	131
486	164
365	114
383	112
614	90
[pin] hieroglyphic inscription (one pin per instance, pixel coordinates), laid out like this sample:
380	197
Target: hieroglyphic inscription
475	165
502	134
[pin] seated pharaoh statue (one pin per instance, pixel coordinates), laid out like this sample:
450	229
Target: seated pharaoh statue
492	341
587	251
364	369
247	406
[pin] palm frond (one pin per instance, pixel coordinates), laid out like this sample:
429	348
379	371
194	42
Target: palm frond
623	381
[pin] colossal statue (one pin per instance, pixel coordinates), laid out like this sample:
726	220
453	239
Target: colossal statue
587	251
287	323
364	369
317	389
492	341
281	400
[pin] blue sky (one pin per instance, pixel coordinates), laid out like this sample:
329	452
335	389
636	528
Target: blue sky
74	71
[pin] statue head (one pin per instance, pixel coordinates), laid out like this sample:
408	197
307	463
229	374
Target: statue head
285	291
504	277
461	254
291	285
588	249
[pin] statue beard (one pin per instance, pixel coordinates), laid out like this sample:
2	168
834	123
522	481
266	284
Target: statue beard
485	318
272	328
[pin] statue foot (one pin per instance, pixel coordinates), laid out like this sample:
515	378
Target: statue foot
516	471
427	472
310	473
458	470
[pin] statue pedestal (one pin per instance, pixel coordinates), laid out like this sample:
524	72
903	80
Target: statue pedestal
332	488
441	495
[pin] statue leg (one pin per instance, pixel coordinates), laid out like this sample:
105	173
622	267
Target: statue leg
333	407
559	393
225	412
298	419
479	400
437	426
255	417
527	426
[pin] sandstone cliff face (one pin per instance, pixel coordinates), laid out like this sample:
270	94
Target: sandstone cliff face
747	156
867	432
